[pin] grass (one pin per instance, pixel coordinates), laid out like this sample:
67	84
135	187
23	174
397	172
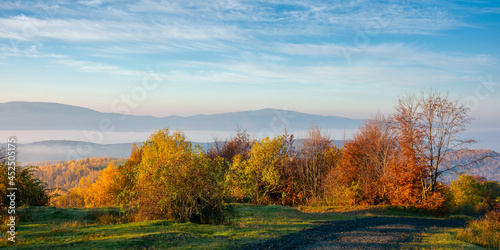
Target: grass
50	227
383	210
56	228
483	232
439	238
479	233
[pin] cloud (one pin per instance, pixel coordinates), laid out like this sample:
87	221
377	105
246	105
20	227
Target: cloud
246	42
24	50
94	67
157	21
81	30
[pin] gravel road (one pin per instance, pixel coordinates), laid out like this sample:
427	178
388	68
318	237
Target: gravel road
364	233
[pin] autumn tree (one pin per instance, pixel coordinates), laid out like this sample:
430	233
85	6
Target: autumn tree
266	167
127	176
239	144
30	190
443	120
408	173
104	191
366	160
317	155
176	181
432	124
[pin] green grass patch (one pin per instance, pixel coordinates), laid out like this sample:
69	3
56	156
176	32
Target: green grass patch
405	211
374	210
57	228
439	238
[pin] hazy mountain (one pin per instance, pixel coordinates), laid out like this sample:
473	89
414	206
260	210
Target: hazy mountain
489	168
55	116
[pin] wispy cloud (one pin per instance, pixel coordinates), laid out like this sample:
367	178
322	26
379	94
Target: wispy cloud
95	67
28	28
156	21
246	42
29	51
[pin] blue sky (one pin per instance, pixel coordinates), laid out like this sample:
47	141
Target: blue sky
348	58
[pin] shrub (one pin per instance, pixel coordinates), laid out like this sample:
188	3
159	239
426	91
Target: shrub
176	181
473	196
267	170
30	190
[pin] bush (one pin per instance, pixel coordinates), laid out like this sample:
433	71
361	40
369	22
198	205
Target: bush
176	181
473	196
30	190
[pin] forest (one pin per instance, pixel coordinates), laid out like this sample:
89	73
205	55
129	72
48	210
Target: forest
67	175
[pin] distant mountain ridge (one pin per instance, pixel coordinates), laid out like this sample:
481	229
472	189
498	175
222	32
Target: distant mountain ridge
56	116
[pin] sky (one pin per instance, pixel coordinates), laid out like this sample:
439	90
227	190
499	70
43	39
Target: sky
346	58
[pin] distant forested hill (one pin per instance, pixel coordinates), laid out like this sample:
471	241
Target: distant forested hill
67	175
490	169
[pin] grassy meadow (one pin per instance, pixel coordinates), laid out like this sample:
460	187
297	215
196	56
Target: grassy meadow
49	227
63	228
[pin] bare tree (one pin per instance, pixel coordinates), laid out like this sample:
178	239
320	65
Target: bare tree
432	124
239	144
315	160
378	132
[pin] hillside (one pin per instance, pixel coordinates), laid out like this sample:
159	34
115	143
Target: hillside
490	168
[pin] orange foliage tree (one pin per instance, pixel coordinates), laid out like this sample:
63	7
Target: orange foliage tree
365	163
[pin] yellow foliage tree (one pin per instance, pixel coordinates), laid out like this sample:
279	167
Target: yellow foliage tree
104	190
268	158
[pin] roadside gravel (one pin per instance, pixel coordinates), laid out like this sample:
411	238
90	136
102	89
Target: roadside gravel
364	233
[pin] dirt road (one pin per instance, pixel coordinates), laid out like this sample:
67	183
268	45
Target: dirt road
365	233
